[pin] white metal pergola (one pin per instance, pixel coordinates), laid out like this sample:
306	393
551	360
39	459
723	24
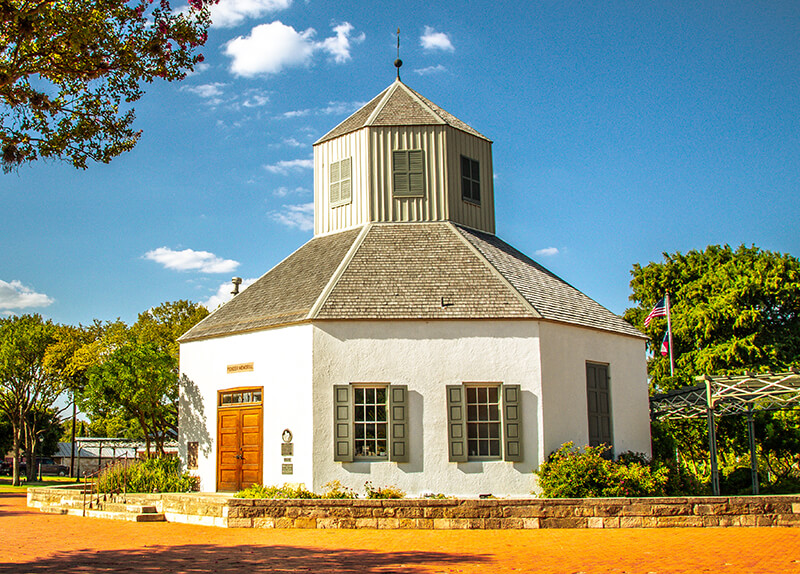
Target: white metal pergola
726	396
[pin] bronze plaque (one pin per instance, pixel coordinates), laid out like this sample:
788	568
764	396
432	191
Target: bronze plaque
287	449
287	469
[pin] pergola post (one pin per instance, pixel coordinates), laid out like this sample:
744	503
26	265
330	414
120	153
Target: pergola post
751	434
712	438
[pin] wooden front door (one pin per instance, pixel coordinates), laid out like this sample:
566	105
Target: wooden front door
240	432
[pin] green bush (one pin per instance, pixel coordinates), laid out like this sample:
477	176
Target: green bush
385	492
151	475
285	491
574	473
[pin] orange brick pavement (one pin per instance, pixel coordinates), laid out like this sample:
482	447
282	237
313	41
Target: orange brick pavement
33	543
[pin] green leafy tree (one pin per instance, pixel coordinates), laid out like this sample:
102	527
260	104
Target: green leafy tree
69	70
25	384
733	310
132	385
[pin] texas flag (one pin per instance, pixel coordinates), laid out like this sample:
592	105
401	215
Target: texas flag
665	345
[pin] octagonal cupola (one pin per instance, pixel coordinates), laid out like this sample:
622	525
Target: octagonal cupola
401	158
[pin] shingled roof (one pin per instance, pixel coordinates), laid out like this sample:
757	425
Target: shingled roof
406	271
398	105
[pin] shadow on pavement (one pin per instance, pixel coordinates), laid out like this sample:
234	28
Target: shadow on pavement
238	559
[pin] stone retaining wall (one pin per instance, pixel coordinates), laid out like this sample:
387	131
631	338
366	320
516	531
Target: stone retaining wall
221	510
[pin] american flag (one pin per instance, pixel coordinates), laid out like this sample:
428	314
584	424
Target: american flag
665	345
660	310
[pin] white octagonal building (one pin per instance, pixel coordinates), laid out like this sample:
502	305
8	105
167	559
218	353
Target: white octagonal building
405	344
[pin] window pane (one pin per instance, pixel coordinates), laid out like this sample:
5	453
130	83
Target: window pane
476	172
494	413
359	414
493	394
359	395
380	396
494	448
472	394
483	394
472	413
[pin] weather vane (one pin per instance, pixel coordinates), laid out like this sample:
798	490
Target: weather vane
398	62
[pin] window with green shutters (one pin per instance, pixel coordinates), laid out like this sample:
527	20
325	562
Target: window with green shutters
470	180
408	173
598	398
370	422
341	182
484	422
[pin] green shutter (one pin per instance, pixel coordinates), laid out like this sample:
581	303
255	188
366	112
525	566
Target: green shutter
334	183
398	421
408	173
342	424
512	423
344	192
456	424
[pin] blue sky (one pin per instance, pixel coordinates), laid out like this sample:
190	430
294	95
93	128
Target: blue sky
621	130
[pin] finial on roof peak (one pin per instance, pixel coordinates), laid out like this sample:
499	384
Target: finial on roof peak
398	62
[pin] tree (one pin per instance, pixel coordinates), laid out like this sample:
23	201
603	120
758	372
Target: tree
25	384
733	310
69	70
135	374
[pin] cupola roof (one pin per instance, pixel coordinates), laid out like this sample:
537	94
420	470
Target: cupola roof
399	105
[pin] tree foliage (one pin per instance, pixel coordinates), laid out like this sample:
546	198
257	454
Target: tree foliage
132	375
26	385
732	310
69	70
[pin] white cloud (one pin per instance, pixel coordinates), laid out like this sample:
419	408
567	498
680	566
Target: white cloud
15	295
547	251
333	108
433	40
285	166
191	260
213	90
284	191
223	294
430	70
229	13
296	216
339	46
270	48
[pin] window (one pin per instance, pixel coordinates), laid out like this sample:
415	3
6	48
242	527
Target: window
484	422
470	180
340	182
370	422
598	398
243	397
370	419
408	174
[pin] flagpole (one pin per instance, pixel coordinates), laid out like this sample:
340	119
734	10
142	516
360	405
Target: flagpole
669	332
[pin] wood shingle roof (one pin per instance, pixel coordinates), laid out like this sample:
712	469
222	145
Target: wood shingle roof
406	271
398	105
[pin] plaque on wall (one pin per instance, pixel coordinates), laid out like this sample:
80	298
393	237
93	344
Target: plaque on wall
287	449
240	368
287	469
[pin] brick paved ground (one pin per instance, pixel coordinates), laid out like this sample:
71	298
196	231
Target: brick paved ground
33	543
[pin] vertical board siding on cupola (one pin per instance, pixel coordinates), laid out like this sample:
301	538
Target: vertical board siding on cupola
327	218
480	217
432	206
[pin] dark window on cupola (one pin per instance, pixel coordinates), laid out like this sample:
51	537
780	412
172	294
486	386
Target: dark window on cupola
340	182
470	180
408	172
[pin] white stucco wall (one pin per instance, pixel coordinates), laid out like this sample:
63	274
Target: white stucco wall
426	356
565	352
282	365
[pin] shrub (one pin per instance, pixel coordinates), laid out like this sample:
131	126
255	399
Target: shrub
335	489
151	475
573	473
385	492
285	491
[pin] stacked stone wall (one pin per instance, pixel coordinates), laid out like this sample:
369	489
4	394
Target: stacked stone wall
221	510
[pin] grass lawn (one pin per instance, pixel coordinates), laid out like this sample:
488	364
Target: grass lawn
5	483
